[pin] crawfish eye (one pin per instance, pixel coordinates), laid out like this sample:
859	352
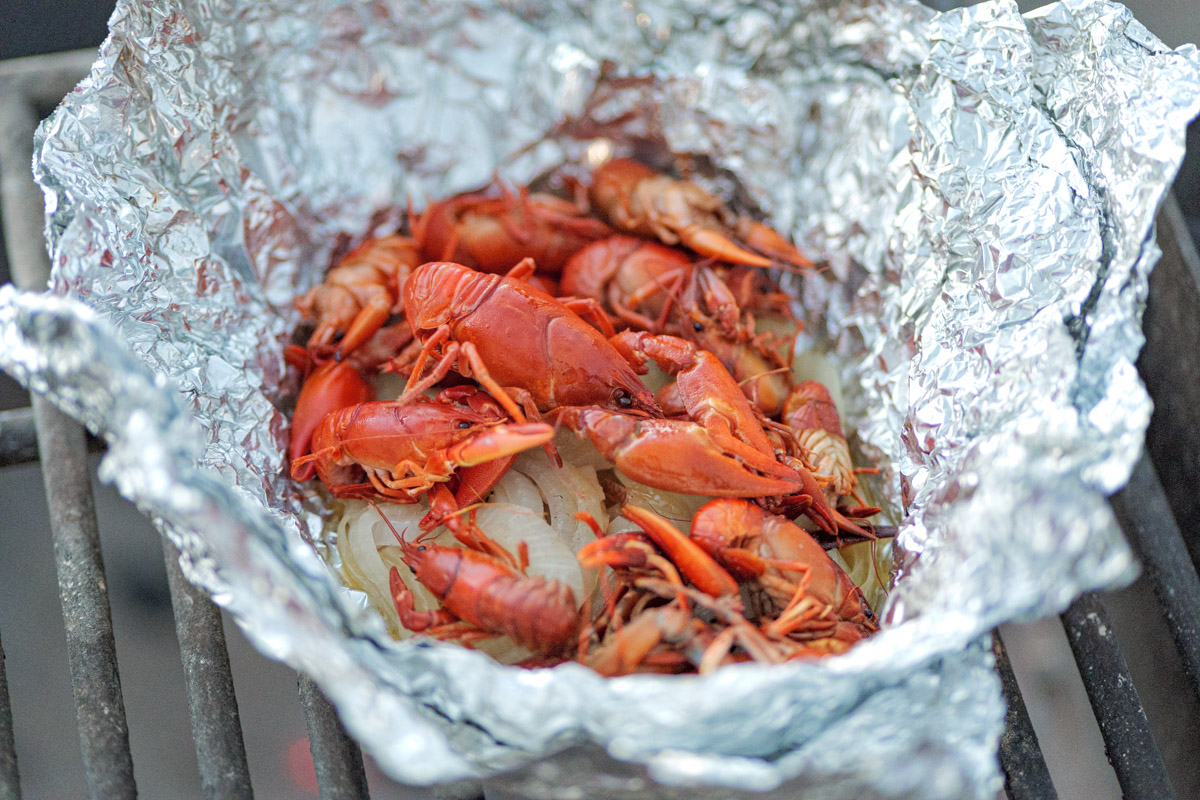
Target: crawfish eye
623	398
462	426
697	326
421	548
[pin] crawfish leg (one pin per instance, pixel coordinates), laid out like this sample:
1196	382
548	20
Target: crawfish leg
524	269
628	315
623	651
485	379
473	537
714	655
439	336
365	324
420	477
464	633
590	311
417	385
357	491
374	488
675	279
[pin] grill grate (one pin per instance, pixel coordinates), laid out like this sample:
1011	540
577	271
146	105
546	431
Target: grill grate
1145	509
100	712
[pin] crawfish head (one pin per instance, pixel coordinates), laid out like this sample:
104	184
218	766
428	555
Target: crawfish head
512	335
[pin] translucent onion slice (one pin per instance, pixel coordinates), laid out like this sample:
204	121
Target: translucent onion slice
677	508
518	490
579	452
363	579
566	491
549	555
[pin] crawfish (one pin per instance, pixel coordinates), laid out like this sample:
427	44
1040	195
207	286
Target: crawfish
800	590
358	295
517	341
710	396
650	641
660	551
633	278
484	596
659	289
333	385
504	332
407	446
491	231
640	635
639	200
730	431
714	318
814	419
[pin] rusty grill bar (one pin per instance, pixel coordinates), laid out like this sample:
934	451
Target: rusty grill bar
1146	510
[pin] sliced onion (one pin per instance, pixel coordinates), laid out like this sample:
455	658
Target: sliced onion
567	491
580	452
549	556
518	490
677	508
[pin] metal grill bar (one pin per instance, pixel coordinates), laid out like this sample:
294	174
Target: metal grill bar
91	650
216	725
1127	739
18	438
10	780
336	757
213	706
1171	370
1142	509
1026	776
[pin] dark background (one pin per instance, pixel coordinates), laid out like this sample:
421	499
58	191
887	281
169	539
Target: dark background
164	759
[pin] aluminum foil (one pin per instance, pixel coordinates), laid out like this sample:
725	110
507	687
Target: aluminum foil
982	187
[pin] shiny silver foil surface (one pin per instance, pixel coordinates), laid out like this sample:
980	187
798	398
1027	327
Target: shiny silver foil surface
980	185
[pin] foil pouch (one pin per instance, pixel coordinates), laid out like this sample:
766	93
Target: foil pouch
981	185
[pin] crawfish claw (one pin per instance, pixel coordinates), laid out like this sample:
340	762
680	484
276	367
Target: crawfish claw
500	441
675	455
710	243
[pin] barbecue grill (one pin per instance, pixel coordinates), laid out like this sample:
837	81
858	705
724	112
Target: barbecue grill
1159	502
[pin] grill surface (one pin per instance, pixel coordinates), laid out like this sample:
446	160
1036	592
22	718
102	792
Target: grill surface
1146	509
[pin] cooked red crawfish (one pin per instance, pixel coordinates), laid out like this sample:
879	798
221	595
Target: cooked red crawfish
634	279
636	553
634	632
635	637
715	319
521	344
334	385
641	634
813	418
406	447
485	593
358	295
492	229
656	288
803	592
720	449
794	614
708	394
639	200
654	625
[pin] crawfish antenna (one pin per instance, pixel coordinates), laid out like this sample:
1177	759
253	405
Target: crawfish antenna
399	536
